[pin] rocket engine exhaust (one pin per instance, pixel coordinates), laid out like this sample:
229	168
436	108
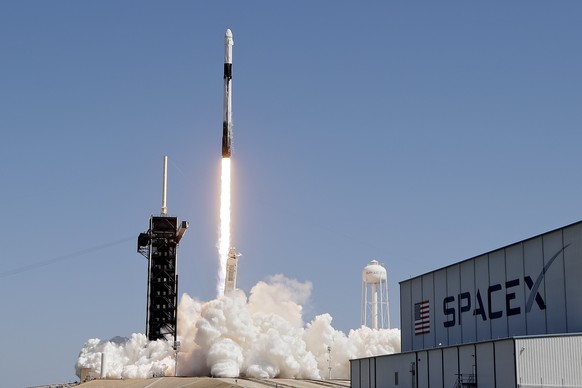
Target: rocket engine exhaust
224	238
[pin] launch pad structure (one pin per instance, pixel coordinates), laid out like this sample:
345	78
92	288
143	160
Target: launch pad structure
159	245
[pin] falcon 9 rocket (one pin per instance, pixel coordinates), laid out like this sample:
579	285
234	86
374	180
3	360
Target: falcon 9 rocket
227	116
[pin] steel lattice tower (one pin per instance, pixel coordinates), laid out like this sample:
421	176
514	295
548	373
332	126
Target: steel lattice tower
159	245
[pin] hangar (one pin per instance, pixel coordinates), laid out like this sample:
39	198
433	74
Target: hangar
511	317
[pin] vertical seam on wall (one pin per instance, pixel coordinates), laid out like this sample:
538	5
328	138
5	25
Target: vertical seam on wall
433	316
443	367
523	286
565	293
458	363
447	293
505	288
458	296
375	373
416	369
475	293
428	369
475	361
514	362
544	280
411	313
369	374
489	282
421	299
494	365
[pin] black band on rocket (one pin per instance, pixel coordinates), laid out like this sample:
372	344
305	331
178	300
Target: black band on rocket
228	70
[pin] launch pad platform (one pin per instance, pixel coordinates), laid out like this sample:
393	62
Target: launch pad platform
208	382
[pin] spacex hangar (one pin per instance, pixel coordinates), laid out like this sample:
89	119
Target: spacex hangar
508	318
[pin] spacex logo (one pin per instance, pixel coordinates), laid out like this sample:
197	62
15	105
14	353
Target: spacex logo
455	306
482	303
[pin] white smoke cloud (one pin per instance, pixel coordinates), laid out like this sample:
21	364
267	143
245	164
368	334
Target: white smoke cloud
261	336
127	358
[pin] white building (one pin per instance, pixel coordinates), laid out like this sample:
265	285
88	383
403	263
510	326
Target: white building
508	318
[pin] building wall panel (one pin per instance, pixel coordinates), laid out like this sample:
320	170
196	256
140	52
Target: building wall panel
388	366
422	368
554	283
440	293
373	376
355	374
466	318
450	366
504	364
453	291
533	266
385	369
365	373
496	292
428	294
481	285
417	340
406	316
514	290
485	364
435	361
573	274
467	364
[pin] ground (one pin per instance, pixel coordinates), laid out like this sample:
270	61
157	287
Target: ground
199	382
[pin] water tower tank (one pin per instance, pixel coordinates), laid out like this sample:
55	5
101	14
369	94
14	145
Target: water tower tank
374	273
375	309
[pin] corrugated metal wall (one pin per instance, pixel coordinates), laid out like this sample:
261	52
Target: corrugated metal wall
551	361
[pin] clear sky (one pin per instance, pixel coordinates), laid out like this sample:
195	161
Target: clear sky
415	133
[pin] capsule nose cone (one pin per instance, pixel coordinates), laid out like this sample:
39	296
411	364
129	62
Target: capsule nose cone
228	41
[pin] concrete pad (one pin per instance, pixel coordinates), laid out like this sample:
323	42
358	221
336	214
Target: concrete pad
203	382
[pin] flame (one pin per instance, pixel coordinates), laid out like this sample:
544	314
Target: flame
224	238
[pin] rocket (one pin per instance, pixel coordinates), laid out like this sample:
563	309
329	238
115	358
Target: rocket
227	116
231	267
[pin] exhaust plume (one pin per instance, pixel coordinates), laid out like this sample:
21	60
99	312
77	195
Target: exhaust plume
261	336
224	238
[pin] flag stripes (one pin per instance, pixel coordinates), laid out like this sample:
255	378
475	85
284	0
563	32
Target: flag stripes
422	318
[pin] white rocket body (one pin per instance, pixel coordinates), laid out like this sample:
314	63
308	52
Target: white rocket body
227	113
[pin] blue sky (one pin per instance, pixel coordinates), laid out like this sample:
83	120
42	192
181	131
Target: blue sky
415	133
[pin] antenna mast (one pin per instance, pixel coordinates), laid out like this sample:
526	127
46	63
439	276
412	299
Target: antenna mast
165	187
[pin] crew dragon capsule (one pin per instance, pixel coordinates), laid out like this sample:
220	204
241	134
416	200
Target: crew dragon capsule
227	116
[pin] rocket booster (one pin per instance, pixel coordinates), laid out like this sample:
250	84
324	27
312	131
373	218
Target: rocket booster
231	268
227	115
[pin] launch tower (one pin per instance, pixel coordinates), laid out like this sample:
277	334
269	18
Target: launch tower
159	246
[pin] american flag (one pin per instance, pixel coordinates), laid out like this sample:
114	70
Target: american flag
422	318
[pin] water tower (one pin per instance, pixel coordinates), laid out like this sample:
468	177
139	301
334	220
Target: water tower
375	309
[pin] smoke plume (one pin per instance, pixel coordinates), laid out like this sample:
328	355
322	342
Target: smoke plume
262	335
